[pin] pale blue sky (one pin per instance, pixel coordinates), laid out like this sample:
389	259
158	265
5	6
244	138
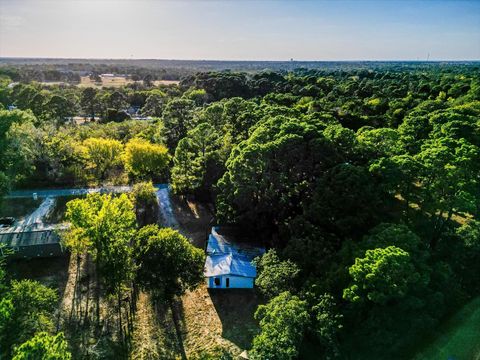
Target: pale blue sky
241	30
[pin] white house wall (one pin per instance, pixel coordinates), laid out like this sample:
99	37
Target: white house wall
236	282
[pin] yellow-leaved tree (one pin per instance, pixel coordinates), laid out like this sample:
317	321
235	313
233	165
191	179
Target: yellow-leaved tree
144	160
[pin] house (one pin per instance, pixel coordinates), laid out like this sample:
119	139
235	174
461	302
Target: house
229	262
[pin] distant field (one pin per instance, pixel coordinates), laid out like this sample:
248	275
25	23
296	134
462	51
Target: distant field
460	339
114	81
118	81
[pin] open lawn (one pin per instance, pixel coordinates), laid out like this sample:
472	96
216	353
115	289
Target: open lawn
117	81
114	81
459	337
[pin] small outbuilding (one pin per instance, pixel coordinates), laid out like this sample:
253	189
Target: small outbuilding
32	244
229	263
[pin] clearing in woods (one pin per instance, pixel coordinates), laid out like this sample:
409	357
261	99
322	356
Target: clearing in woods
118	81
110	81
210	322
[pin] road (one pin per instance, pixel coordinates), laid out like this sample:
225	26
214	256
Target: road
44	193
35	219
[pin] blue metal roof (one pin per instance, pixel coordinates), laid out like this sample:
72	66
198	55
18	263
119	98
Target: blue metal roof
225	257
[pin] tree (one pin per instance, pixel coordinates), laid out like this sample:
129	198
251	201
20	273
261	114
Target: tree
397	175
146	204
282	322
147	80
105	226
399	235
384	274
144	160
102	155
17	147
198	161
43	347
345	200
270	175
37	105
449	180
25	94
380	142
89	101
59	108
274	275
117	101
154	104
178	119
167	263
24	310
327	323
199	96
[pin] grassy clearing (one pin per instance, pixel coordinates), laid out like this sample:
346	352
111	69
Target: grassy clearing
114	81
153	335
459	338
118	81
218	320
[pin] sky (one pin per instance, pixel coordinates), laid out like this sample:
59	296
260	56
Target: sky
241	30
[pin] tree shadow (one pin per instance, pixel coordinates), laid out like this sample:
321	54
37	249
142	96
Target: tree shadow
236	309
194	219
171	321
52	272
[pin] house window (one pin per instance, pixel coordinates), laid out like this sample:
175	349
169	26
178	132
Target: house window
228	282
217	281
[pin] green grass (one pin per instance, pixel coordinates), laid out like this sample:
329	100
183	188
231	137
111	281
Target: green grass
459	339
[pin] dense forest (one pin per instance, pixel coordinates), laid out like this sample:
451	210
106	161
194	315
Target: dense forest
363	183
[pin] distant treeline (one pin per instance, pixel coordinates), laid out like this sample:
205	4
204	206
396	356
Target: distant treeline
69	70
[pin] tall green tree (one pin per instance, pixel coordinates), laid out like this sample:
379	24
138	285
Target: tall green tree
382	275
43	347
275	275
105	226
198	161
167	263
25	309
178	119
282	322
89	101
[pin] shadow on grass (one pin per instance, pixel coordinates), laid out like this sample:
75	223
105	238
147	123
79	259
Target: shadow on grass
236	309
52	272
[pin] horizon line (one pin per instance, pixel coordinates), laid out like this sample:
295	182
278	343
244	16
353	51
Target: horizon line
237	60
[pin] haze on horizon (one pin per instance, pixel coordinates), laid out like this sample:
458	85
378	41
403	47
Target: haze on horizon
241	30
